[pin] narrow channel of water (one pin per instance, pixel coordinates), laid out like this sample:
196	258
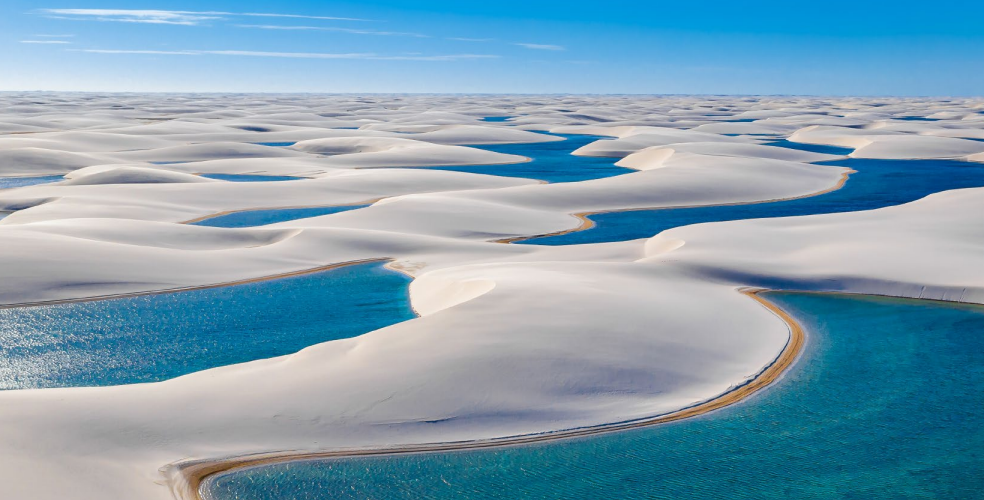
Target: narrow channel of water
252	218
15	182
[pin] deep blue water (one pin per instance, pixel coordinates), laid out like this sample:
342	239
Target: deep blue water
156	337
276	144
496	119
884	404
251	218
815	148
552	161
251	178
13	182
877	184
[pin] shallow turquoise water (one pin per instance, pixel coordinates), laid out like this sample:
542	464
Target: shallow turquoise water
252	218
877	184
552	161
251	178
156	337
884	404
13	182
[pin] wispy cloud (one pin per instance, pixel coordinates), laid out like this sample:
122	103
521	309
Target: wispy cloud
47	42
332	29
540	46
177	17
155	52
298	16
460	39
294	55
449	57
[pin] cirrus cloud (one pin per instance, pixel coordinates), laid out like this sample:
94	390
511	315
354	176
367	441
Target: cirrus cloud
294	55
541	46
175	17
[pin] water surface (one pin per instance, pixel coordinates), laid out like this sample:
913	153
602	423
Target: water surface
156	337
252	218
813	148
15	182
551	161
884	404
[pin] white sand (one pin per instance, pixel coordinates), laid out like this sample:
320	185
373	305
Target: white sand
512	339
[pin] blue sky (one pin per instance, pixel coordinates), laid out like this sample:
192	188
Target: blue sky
828	47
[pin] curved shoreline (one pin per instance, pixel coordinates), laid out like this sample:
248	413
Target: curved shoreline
587	223
186	479
245	281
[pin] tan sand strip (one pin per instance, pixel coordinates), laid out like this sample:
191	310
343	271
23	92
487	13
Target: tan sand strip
186	478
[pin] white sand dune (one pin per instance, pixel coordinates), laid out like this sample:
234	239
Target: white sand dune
210	151
626	145
31	161
891	142
128	174
178	202
511	339
744	151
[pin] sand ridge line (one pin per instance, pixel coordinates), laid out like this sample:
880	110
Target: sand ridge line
186	479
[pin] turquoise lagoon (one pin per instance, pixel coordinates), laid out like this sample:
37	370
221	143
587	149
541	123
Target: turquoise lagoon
156	337
884	403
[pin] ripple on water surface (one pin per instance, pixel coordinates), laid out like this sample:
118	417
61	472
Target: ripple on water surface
156	337
884	404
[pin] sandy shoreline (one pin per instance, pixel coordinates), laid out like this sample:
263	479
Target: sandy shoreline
186	479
